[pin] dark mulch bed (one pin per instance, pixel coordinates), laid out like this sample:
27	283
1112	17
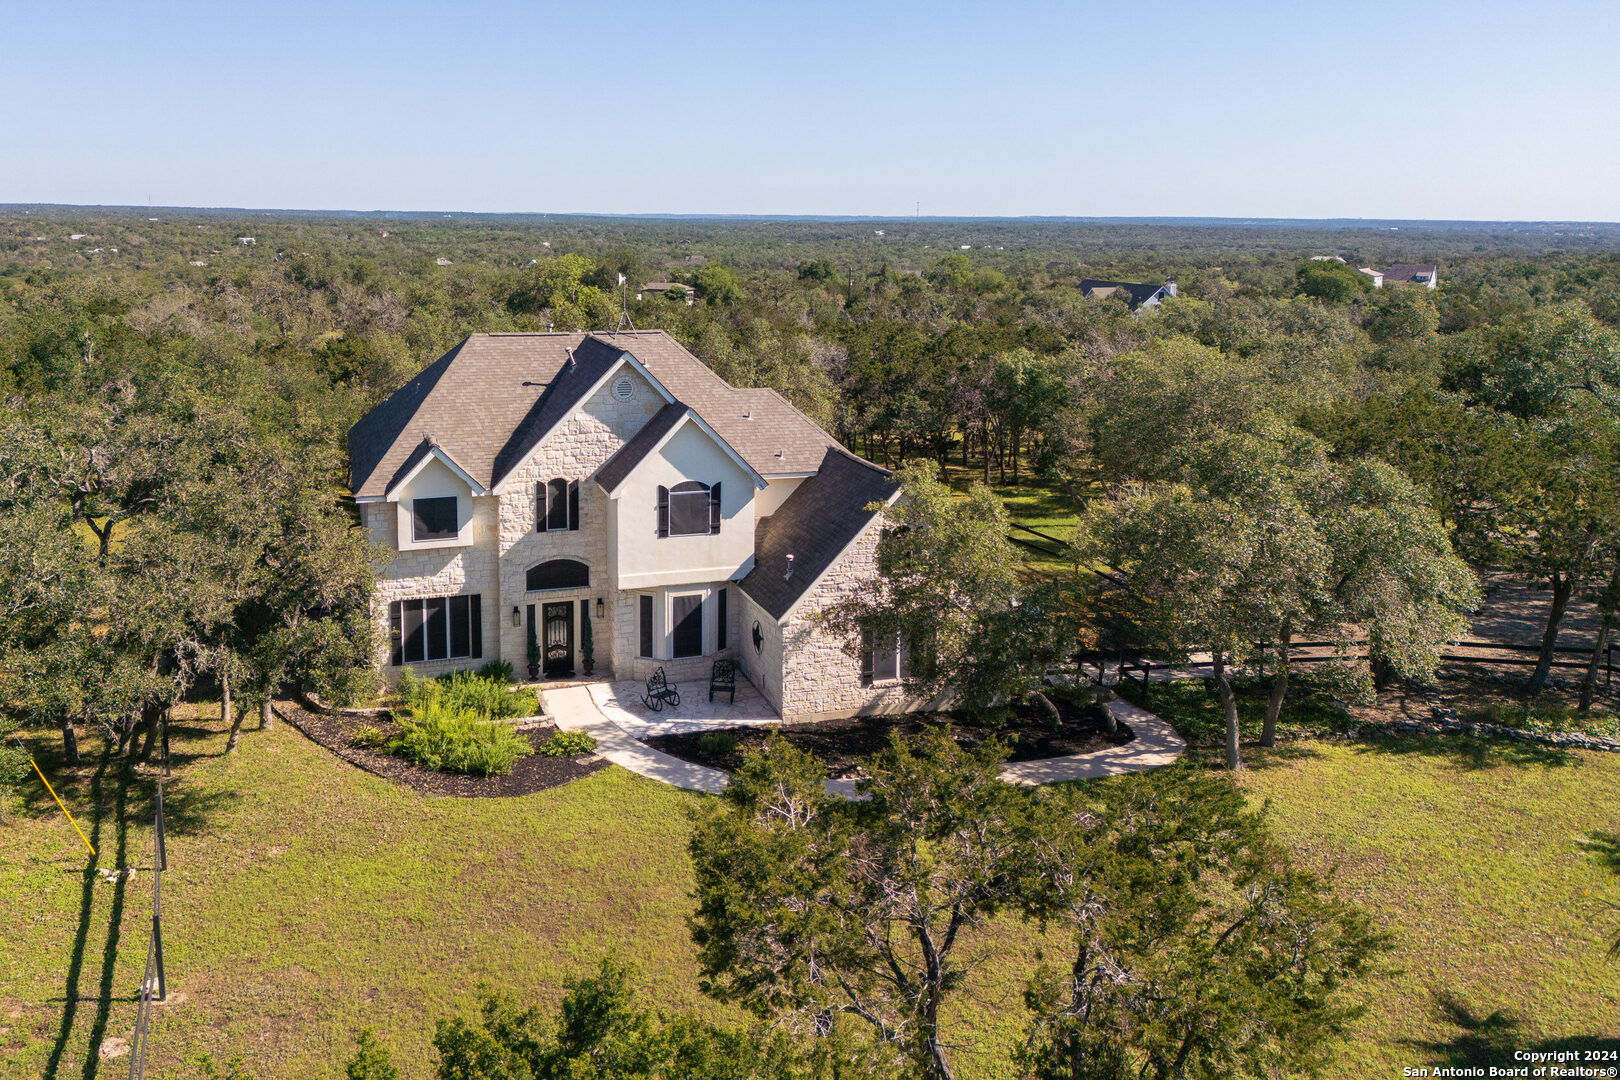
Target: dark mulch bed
841	744
533	773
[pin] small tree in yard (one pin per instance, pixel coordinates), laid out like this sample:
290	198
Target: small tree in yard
813	909
599	1033
948	586
1198	951
371	1060
1218	559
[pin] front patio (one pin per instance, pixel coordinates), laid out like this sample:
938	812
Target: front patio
621	702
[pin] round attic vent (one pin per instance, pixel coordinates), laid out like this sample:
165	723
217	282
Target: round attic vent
624	388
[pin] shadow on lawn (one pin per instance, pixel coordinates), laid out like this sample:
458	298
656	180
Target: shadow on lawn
115	916
1492	1039
1471	751
184	810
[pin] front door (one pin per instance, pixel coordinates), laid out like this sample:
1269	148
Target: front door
558	620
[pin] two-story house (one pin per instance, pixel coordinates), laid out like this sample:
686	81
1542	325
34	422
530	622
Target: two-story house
612	485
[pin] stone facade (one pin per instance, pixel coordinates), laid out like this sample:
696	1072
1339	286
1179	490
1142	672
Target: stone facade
821	672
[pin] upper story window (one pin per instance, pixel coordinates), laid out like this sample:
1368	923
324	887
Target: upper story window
557	506
689	509
434	519
884	658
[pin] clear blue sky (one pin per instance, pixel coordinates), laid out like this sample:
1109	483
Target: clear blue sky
1307	108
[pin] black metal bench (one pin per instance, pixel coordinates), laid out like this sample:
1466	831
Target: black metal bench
660	693
723	677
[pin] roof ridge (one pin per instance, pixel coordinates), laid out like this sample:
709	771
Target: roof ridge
834	448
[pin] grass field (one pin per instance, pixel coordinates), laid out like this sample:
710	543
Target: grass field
307	899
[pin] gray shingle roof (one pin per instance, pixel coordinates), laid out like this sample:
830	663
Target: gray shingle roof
814	525
1409	271
494	397
1141	291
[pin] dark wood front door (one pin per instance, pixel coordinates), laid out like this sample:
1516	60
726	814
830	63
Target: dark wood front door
558	627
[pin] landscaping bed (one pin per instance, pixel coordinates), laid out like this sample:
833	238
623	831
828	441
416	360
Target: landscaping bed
841	745
534	772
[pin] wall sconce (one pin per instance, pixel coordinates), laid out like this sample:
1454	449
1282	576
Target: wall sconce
601	608
516	618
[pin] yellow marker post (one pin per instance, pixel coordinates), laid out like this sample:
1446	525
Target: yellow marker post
64	809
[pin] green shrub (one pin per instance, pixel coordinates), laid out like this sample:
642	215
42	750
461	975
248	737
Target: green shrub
498	671
371	1060
568	744
478	695
459	743
368	738
1550	719
717	742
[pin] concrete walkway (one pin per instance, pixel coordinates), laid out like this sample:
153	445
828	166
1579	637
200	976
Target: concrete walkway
600	711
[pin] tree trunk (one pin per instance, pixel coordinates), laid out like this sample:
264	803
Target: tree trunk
153	715
126	730
236	731
1589	683
1229	704
1562	586
225	712
267	714
70	742
1279	686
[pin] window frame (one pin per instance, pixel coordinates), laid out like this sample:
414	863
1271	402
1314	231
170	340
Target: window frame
695	496
420	537
694	618
900	656
422	626
556	505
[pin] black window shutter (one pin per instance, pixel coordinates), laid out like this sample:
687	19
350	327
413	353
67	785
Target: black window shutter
475	619
663	510
397	654
540	506
714	510
573	506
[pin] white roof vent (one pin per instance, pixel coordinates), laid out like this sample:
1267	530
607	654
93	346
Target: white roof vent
789	569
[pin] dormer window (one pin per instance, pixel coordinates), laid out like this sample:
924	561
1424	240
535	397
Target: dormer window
557	506
434	519
689	509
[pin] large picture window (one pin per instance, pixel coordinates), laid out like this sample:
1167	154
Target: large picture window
687	612
433	519
689	509
436	628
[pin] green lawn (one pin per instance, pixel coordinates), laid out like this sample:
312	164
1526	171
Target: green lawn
1037	504
306	899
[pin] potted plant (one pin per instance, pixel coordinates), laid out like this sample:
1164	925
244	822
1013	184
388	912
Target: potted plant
534	653
587	653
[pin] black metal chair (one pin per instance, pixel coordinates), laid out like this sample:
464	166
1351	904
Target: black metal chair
660	693
723	677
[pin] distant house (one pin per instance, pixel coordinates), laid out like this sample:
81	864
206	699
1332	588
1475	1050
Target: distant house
442	261
77	236
1377	276
1327	258
246	240
1425	274
1142	295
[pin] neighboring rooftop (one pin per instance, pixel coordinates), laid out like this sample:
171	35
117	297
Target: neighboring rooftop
1139	292
812	528
1418	273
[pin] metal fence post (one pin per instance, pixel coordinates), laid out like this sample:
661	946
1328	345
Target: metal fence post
157	912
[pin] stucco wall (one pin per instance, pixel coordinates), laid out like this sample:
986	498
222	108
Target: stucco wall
763	665
646	560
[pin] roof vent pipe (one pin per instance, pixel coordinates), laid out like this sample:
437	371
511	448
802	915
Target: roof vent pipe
789	573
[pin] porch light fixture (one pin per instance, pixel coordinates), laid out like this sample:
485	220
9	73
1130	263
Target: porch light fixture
601	608
516	619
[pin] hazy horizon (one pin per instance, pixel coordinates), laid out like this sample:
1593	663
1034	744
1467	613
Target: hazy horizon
1384	111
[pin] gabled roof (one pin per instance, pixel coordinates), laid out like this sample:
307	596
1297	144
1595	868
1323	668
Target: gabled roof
1409	271
815	525
1141	292
490	400
653	434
